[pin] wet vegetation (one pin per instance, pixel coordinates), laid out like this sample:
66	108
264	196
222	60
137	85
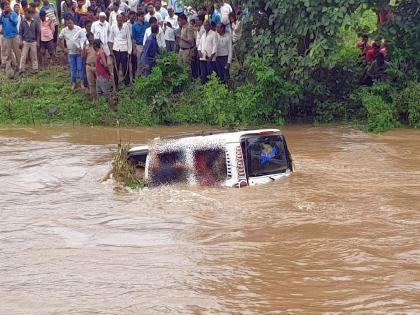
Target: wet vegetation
300	65
123	172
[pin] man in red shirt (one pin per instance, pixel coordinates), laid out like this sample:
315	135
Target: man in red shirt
363	46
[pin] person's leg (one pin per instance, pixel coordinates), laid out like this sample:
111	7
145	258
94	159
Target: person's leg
116	67
73	69
81	70
23	57
91	78
16	49
140	63
133	66
3	51
34	56
51	50
125	67
203	71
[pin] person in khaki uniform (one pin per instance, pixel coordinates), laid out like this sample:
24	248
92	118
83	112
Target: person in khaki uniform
89	54
29	39
186	39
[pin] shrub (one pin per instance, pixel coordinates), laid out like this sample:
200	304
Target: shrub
330	111
407	104
381	115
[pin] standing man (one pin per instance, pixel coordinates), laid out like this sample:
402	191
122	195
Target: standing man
139	29
224	53
73	52
120	39
9	21
29	37
225	10
170	27
89	55
47	38
161	10
151	49
186	39
207	50
101	30
152	13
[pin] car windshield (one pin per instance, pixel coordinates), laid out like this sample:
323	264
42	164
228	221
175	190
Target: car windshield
265	155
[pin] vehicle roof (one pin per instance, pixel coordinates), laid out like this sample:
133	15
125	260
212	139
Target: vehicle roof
215	138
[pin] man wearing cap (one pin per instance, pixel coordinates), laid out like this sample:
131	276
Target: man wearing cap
100	30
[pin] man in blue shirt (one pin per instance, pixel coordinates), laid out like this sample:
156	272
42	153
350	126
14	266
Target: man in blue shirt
139	28
11	42
151	49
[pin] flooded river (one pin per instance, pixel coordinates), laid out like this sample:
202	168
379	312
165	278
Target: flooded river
342	234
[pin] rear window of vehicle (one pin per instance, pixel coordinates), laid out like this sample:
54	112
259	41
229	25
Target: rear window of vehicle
210	166
265	155
168	168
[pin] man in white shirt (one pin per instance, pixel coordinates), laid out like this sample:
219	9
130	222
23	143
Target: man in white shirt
133	5
101	30
161	10
224	53
160	37
225	9
114	13
152	13
207	49
170	26
120	40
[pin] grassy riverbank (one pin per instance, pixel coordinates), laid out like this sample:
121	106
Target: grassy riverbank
169	97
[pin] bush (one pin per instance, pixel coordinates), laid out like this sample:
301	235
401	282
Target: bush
328	112
407	104
381	114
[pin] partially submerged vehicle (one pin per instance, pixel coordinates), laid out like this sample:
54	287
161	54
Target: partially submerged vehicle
219	158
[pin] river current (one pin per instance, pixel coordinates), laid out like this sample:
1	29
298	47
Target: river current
341	235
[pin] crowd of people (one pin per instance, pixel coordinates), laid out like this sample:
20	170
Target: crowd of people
105	41
375	56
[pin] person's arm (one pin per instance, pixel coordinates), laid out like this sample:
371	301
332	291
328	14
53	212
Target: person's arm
230	50
214	47
200	45
146	36
129	40
14	18
61	42
111	40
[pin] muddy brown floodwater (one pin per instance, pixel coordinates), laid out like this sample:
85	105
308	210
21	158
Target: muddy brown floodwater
342	234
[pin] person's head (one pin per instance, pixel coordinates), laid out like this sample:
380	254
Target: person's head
96	44
115	7
207	26
155	29
120	20
140	17
88	25
192	22
29	13
198	23
182	20
365	38
232	17
216	7
93	3
37	3
24	4
158	5
375	45
102	17
69	22
43	16
46	3
171	11
16	8
153	20
90	37
132	16
213	26
221	28
151	9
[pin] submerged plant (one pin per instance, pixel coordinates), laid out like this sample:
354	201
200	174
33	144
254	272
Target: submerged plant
124	172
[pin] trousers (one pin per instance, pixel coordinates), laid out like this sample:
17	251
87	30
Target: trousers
29	49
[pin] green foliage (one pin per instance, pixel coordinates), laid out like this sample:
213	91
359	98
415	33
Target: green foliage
407	104
329	112
381	112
